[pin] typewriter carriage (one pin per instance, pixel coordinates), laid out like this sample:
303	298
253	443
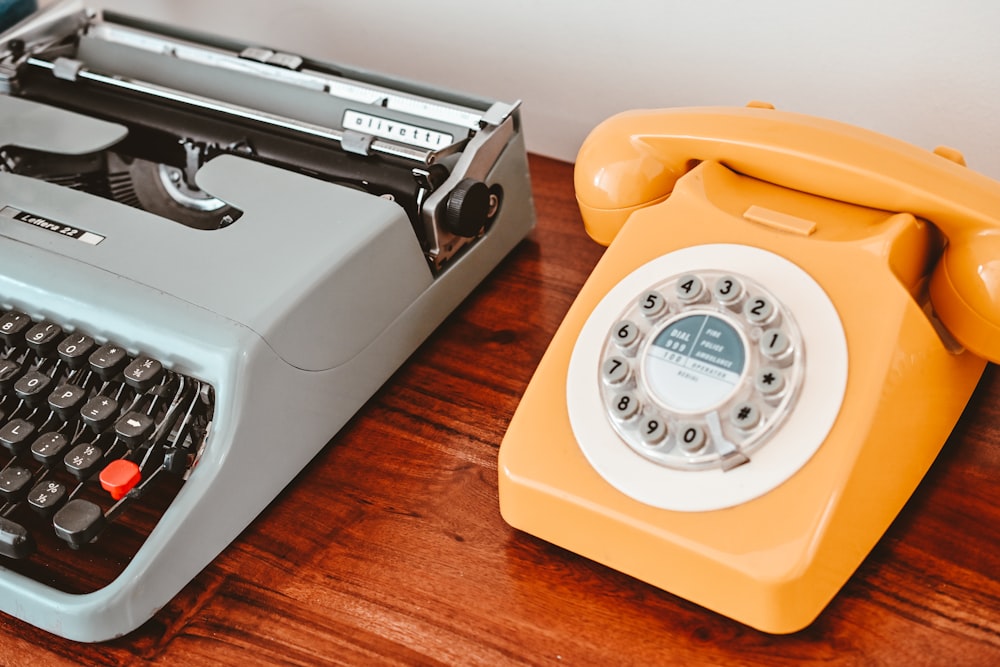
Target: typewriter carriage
186	97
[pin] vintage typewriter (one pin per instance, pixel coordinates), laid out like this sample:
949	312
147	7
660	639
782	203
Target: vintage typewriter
211	255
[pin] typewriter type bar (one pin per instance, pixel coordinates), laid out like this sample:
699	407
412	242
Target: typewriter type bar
186	98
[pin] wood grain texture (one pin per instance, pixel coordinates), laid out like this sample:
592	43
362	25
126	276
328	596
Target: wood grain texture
389	548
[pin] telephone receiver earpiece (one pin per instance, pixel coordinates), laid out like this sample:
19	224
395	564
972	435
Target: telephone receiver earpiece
632	160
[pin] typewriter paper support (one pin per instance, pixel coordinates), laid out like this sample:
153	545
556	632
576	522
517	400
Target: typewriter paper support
294	313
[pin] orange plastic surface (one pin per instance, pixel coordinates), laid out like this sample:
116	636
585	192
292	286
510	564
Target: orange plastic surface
776	561
633	159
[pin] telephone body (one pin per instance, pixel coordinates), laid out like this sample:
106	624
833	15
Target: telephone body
790	317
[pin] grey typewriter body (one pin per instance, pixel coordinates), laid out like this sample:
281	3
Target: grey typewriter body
314	251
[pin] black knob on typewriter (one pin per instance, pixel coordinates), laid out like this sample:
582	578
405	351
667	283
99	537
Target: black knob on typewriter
468	208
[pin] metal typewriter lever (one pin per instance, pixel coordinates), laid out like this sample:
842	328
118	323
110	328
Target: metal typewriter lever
479	156
66	68
39	31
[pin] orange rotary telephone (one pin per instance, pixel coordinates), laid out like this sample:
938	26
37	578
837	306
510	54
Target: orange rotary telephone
788	322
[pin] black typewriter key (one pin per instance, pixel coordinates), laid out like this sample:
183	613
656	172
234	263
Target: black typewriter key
75	349
66	400
15	435
43	337
175	460
99	412
78	522
83	460
143	373
10	371
14	483
15	540
32	387
134	427
48	448
12	327
47	497
107	360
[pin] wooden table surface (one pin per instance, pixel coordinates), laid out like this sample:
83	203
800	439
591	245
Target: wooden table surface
389	548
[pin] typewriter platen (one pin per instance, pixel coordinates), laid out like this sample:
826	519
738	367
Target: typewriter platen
213	255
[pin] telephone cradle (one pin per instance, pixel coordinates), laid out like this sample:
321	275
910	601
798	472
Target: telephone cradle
790	317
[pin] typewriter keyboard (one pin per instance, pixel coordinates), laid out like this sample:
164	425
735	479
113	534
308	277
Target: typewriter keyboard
95	442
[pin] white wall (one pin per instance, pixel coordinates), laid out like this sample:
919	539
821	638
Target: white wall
927	71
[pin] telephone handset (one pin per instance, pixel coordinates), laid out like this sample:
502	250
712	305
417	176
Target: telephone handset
633	160
789	319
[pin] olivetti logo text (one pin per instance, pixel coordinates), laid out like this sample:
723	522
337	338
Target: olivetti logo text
387	128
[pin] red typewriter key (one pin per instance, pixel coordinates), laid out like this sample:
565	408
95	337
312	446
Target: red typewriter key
119	477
